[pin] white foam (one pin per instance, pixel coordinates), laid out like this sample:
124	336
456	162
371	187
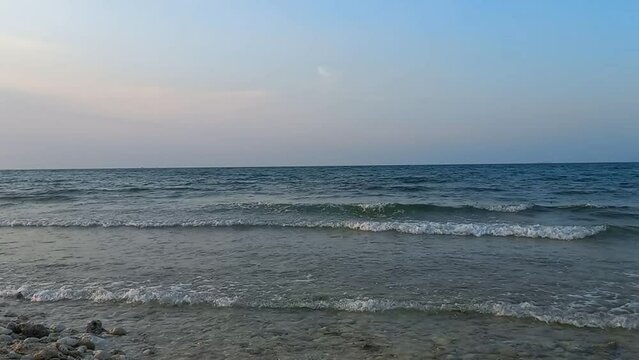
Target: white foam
594	206
601	319
177	295
170	295
469	229
558	232
559	315
510	208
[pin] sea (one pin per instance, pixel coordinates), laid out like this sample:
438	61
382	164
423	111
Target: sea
406	262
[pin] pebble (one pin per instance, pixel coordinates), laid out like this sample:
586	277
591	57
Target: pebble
30	340
12	326
57	328
101	355
68	341
86	342
5	339
92	342
32	330
117	331
95	327
69	351
45	354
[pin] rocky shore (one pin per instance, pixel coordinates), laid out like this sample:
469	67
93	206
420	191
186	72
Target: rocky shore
21	338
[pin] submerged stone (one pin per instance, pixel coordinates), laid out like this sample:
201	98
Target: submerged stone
101	355
87	342
56	328
117	331
32	330
31	340
45	354
5	339
95	327
68	341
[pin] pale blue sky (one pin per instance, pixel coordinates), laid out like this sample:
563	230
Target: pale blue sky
243	83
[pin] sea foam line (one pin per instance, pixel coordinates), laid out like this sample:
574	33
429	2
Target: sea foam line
471	229
177	295
557	232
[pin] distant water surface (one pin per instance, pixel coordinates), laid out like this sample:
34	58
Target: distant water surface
347	256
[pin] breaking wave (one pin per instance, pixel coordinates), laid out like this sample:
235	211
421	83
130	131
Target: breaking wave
557	232
177	295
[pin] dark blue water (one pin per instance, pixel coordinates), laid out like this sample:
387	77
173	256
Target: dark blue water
550	201
551	245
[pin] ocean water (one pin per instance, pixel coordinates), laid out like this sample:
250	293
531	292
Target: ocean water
495	261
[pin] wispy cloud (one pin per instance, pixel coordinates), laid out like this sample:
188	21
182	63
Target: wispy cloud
324	72
53	71
8	42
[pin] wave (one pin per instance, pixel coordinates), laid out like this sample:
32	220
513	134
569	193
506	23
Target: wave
36	198
383	210
557	232
399	208
64	195
392	209
469	229
503	207
176	295
367	209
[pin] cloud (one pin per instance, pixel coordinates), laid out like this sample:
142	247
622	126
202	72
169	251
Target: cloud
324	72
55	72
8	43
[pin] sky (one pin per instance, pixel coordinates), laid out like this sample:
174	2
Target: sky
87	83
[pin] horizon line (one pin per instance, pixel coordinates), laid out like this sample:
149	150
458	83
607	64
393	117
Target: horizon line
318	166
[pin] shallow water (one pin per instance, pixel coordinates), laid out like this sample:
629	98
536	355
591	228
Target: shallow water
412	262
203	332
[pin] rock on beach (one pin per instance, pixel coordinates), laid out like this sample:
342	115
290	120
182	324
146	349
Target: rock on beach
26	340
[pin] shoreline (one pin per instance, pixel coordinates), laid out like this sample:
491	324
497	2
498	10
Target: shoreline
174	332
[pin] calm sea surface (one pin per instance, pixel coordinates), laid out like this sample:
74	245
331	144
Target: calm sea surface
499	261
